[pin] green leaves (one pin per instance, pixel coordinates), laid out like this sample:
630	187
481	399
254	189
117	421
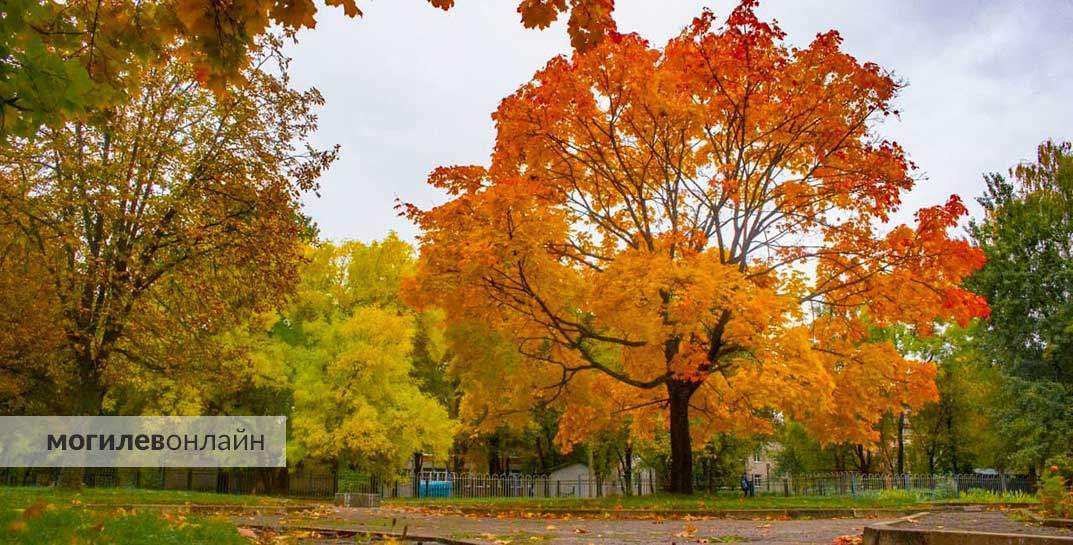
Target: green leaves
1027	236
42	81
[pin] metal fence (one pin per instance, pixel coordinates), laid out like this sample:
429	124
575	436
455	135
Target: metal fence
852	484
314	483
298	483
442	484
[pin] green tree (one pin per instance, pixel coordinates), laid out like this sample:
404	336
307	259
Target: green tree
956	434
1027	235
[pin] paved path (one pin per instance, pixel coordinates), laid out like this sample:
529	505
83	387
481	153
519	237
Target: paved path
573	531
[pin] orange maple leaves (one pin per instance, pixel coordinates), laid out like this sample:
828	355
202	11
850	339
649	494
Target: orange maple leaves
711	211
217	36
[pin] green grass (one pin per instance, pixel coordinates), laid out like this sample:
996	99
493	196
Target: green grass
48	524
709	502
18	497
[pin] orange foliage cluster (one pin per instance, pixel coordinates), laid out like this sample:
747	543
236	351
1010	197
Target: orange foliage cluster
218	34
713	211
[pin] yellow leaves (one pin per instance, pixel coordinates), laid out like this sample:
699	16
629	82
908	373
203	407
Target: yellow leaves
195	15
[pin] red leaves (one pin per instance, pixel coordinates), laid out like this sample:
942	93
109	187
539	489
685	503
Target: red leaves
442	4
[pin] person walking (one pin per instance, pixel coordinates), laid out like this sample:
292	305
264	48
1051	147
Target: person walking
744	484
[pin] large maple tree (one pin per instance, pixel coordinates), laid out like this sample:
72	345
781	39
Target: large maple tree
696	236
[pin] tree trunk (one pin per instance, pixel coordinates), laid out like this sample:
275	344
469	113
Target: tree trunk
418	462
864	459
901	443
679	392
953	446
88	400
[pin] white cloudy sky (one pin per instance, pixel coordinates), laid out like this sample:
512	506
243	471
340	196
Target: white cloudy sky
410	87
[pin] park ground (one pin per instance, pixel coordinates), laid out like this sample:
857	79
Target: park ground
135	517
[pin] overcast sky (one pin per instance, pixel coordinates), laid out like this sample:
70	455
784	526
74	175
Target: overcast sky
410	87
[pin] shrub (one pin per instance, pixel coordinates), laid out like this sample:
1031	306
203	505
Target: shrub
1054	499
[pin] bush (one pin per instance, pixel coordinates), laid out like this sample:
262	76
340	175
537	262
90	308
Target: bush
945	488
1054	499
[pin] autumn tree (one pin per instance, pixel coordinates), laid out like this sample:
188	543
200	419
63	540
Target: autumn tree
32	360
692	235
62	58
161	222
347	342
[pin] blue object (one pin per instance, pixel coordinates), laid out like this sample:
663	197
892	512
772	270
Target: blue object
434	489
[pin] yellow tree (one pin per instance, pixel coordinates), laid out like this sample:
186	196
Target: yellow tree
695	235
161	222
348	342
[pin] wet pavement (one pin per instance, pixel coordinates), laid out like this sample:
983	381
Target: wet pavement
574	531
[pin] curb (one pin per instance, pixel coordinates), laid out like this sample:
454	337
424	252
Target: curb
887	533
345	533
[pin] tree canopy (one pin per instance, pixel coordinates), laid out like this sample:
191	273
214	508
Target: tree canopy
1027	235
161	222
348	343
694	234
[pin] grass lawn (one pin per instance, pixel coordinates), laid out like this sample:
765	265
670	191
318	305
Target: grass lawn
20	497
709	502
45	523
44	516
